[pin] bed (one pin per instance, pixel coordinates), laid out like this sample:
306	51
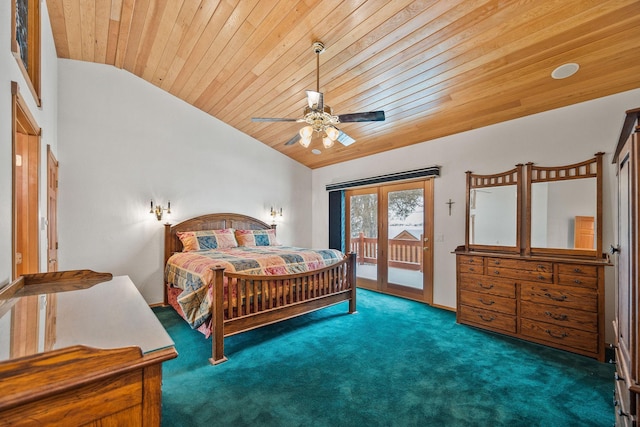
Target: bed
228	289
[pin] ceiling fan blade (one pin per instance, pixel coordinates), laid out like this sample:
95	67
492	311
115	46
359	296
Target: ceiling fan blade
293	140
272	119
315	100
371	116
345	139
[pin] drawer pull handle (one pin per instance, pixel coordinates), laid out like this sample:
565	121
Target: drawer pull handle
485	287
618	377
496	262
551	334
622	414
556	316
496	272
577	270
486	319
577	281
471	261
541	267
472	269
541	277
560	298
486	302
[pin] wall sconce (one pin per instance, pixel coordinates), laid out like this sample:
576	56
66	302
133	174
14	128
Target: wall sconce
274	213
158	210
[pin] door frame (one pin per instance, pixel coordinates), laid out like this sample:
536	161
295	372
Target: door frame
381	284
52	211
24	221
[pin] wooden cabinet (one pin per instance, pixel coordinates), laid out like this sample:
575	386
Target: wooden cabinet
625	325
557	302
80	348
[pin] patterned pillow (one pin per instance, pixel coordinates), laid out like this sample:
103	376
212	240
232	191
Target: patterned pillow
256	238
207	239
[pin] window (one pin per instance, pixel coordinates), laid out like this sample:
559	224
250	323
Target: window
25	42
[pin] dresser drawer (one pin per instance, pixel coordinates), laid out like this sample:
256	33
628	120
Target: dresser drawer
574	280
561	296
470	260
487	319
520	264
561	316
472	269
562	336
488	302
524	275
488	285
578	270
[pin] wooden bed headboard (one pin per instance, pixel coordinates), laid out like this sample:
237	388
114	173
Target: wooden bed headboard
215	221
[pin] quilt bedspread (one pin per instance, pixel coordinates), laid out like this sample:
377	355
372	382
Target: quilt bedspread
191	271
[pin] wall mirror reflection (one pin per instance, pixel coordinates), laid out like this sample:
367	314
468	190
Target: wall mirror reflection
564	208
494	210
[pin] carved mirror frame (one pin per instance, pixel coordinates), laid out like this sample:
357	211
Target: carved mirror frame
474	182
591	168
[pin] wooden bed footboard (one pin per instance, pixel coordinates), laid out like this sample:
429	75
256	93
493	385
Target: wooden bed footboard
258	300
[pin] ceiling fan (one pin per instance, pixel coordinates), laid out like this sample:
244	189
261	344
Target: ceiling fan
319	117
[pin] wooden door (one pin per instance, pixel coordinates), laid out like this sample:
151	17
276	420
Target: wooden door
52	211
26	203
390	228
584	232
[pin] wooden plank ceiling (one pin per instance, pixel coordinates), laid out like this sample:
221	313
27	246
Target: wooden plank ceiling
435	67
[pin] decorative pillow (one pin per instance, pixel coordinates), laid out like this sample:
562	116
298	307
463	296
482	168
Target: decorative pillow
207	239
256	238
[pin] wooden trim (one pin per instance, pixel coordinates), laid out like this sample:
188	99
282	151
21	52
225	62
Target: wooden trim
32	73
631	120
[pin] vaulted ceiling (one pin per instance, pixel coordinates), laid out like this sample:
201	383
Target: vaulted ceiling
435	67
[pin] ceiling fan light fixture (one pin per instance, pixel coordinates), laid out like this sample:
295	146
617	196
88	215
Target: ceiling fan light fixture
332	133
306	132
327	142
305	141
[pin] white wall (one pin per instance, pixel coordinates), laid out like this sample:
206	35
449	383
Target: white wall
45	117
562	136
123	141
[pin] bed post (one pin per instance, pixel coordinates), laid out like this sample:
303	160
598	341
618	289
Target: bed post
217	317
352	279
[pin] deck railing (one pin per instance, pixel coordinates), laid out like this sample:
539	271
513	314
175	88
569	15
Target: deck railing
403	253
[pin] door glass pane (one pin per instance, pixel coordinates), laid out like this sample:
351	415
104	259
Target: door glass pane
364	233
405	234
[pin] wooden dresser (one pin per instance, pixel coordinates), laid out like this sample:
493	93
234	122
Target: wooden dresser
79	348
553	301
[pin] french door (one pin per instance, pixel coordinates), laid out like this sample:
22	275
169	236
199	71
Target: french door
390	227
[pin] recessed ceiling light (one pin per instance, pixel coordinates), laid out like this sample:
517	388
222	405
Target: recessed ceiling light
565	70
316	151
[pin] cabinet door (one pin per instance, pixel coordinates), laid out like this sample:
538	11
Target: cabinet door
626	290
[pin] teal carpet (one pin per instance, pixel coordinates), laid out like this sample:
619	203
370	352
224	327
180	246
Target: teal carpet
394	363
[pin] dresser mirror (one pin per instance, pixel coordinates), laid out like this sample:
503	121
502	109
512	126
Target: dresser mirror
494	210
564	208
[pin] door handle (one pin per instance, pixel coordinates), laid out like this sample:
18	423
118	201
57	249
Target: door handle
614	249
